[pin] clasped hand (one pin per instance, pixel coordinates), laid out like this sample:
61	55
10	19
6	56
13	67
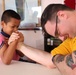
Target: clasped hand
16	36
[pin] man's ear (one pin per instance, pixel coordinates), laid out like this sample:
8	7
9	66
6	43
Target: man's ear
62	14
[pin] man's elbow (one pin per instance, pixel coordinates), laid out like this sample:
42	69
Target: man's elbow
51	66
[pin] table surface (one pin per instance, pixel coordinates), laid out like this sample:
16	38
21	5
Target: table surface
24	68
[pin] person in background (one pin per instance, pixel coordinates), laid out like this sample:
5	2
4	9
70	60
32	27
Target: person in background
10	22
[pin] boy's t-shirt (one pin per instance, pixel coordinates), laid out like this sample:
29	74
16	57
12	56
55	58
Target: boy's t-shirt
67	47
2	41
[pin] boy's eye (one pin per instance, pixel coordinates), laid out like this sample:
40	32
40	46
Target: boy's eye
12	26
17	26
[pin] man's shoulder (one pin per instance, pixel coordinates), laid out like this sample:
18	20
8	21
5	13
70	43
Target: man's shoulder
69	40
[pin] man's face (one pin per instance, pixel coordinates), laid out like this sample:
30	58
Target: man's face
65	26
61	30
51	29
11	26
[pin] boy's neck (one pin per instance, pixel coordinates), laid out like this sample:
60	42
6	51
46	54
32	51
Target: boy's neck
5	34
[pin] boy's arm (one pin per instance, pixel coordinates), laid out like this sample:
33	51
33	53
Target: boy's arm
39	56
20	39
7	52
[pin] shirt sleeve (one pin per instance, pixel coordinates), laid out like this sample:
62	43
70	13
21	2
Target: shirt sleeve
74	44
1	41
64	48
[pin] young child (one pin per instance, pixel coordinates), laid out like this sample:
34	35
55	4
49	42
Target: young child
10	22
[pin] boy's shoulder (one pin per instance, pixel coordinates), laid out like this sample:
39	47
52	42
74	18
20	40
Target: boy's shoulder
1	37
1	40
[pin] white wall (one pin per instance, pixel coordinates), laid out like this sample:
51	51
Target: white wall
10	4
37	39
1	10
31	38
34	38
46	2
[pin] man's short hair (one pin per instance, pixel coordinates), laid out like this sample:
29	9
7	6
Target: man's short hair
50	13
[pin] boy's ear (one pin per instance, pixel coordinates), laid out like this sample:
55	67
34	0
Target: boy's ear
2	23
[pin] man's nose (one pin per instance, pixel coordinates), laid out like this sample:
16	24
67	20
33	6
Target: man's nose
62	38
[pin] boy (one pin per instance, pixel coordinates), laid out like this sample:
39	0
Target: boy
10	22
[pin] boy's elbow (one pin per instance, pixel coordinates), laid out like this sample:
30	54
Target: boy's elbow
6	62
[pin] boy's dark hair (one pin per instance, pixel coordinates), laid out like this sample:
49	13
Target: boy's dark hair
50	13
8	14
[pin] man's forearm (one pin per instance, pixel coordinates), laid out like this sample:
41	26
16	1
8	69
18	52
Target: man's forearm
39	56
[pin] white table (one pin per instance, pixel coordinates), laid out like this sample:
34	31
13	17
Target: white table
24	68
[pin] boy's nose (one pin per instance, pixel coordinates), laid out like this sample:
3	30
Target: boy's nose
15	29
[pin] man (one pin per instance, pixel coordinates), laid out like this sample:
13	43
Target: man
60	21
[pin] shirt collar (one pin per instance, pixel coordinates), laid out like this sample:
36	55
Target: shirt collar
5	34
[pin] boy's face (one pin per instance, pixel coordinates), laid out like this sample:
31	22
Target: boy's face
11	26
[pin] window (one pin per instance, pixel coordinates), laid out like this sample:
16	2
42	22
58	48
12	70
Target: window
29	10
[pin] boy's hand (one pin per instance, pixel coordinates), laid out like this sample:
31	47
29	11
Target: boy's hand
14	36
21	38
